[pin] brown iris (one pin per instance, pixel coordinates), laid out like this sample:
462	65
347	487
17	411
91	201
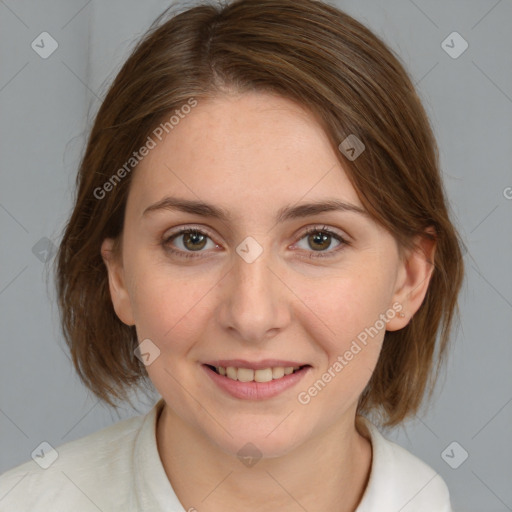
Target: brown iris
319	238
194	238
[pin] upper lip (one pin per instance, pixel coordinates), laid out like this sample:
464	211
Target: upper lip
254	365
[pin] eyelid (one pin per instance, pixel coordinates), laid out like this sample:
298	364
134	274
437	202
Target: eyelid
188	227
324	228
303	231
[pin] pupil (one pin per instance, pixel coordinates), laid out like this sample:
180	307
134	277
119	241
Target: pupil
318	238
194	237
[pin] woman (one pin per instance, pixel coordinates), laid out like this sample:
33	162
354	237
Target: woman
261	233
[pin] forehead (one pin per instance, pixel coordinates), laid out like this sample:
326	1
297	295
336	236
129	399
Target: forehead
244	152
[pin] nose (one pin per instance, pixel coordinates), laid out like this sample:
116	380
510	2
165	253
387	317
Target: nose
254	305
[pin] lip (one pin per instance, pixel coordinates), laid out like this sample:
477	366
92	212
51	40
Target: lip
254	365
256	390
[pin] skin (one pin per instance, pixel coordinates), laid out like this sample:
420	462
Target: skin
253	154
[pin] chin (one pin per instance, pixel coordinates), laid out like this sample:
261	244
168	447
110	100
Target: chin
256	442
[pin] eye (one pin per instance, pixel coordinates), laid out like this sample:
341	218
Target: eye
192	240
320	239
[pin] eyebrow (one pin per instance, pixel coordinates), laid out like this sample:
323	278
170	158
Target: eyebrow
286	213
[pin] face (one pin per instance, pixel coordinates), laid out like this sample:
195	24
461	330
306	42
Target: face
252	286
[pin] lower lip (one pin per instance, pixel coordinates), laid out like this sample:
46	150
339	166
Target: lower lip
256	390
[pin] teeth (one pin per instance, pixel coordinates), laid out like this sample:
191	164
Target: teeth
248	375
278	372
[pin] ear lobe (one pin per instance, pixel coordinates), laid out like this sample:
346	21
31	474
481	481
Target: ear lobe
116	280
413	280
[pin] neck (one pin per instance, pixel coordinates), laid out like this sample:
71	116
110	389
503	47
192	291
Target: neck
335	464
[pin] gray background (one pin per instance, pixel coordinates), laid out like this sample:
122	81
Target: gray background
46	107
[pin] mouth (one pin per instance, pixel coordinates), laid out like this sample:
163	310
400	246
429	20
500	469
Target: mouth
255	381
267	374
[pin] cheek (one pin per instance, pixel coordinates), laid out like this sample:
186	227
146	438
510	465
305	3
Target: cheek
347	332
343	319
168	307
344	307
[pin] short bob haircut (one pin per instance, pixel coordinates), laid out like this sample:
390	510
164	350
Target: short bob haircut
323	59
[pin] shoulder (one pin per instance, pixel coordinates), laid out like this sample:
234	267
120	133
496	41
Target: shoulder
80	473
401	481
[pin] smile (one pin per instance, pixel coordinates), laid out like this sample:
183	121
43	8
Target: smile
250	375
255	384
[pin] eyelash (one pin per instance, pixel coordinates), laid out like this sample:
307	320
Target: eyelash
309	231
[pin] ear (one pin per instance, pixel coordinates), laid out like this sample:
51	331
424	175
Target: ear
116	280
413	278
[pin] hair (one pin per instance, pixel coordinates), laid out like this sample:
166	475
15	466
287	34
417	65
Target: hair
323	59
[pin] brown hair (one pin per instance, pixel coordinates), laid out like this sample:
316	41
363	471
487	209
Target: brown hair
346	76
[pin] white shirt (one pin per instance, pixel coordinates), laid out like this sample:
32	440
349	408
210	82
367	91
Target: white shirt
119	468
